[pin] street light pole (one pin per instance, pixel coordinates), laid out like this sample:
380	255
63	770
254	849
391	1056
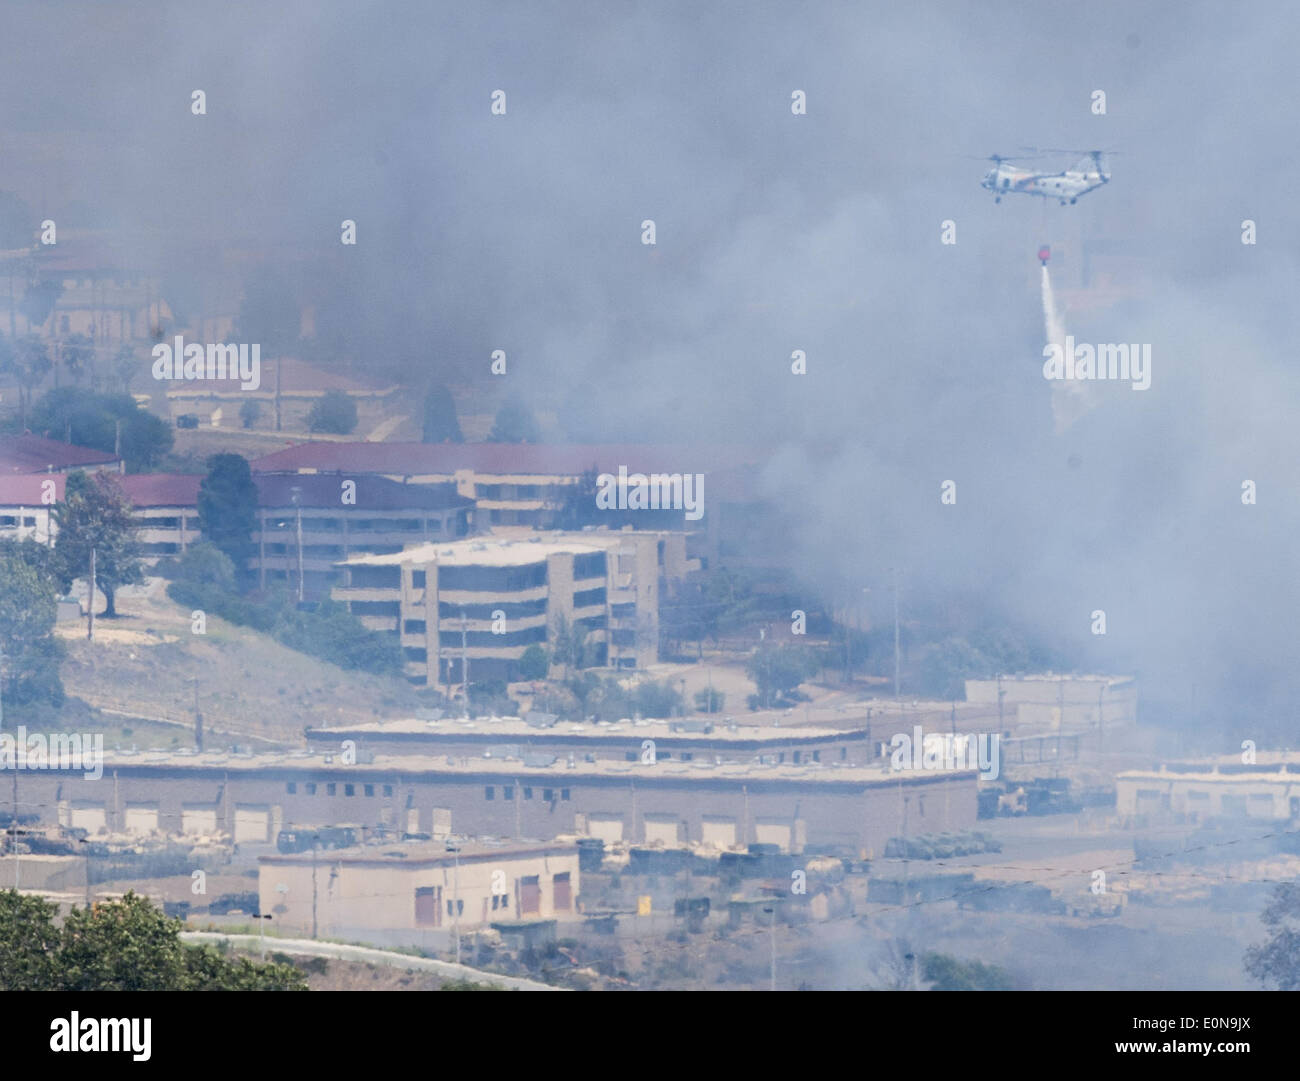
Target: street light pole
772	925
296	497
455	898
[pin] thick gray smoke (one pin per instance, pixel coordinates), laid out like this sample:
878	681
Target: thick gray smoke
775	232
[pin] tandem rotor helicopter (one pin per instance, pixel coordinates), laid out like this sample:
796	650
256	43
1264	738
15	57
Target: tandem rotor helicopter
1087	174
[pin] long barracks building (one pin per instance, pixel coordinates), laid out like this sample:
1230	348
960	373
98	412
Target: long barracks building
694	740
251	797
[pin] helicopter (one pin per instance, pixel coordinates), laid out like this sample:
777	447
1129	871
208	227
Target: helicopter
1087	174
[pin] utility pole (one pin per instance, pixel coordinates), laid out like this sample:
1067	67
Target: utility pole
198	719
297	506
455	892
90	606
895	577
1060	721
314	841
464	660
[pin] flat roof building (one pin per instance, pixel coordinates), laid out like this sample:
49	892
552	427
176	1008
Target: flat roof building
613	741
252	797
1221	787
418	894
479	604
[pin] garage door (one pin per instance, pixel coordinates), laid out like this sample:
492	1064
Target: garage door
719	832
141	817
608	827
199	821
252	824
661	829
772	832
441	823
89	817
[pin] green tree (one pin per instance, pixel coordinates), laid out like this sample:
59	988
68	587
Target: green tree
96	514
579	506
76	355
227	507
656	699
123	945
707	701
204	564
29	943
1276	962
249	412
777	670
514	423
29	671
28	361
440	422
123	369
534	663
335	412
334	634
949	974
39	300
103	421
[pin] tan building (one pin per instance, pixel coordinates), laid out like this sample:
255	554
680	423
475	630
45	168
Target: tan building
1225	787
485	600
1047	703
522	484
674	802
694	740
418	893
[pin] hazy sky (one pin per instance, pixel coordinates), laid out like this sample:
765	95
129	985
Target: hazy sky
777	232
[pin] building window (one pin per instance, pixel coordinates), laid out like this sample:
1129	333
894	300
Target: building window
797	755
292	788
508	791
564	793
688	756
631	756
417	579
370	790
817	756
456	908
489	792
349	790
528	792
331	788
388	790
844	753
311	788
548	794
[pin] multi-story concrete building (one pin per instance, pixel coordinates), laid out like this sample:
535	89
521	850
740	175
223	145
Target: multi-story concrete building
252	797
1222	787
340	515
486	600
101	292
524	484
683	740
418	893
